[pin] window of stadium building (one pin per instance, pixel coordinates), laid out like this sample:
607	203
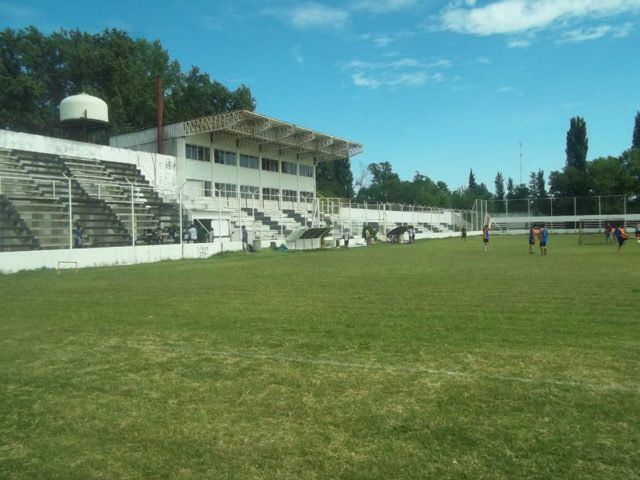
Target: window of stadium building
270	165
226	190
247	191
306	171
289	167
306	196
196	152
270	193
207	188
225	158
289	195
248	161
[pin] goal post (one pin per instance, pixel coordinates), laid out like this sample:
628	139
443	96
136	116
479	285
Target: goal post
592	232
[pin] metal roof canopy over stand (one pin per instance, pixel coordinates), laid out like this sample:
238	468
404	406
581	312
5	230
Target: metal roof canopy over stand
250	128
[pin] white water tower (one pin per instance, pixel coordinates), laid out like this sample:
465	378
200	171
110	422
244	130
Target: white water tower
82	115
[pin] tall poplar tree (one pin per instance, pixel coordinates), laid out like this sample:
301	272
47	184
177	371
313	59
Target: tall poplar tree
577	144
636	132
499	186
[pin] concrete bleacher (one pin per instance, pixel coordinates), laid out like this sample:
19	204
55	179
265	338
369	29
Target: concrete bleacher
117	184
14	233
44	215
34	197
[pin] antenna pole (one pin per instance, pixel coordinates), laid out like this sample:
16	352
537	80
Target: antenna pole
520	143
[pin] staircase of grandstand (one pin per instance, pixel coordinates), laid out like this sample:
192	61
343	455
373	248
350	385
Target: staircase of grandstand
34	202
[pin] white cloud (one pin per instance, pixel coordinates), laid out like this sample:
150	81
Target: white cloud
519	43
414	79
585	34
407	72
516	16
383	6
378	39
318	15
311	15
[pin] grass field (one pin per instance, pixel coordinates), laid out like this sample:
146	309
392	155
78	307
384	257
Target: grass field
431	360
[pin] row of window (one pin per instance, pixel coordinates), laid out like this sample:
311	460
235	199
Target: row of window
223	157
229	190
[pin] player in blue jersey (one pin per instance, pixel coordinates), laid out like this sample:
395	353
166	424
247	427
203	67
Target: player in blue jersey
621	236
544	237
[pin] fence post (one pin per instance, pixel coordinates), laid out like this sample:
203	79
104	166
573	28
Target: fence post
575	214
133	216
506	208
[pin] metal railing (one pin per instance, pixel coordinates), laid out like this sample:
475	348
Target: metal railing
559	212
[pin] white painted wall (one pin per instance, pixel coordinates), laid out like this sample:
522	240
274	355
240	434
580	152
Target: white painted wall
11	262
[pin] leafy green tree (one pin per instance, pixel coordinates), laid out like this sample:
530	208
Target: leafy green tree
521	191
334	179
37	71
427	192
472	180
571	182
636	132
511	188
631	164
499	186
537	185
577	144
608	176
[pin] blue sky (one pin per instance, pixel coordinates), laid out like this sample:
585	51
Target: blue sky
436	86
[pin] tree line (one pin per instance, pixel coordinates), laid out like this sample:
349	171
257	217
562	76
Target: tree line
611	175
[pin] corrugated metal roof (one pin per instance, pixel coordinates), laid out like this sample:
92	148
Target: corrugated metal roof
250	128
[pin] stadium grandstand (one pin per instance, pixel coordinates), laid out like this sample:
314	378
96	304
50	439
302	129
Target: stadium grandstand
215	173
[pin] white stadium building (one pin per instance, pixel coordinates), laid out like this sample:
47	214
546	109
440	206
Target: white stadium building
217	172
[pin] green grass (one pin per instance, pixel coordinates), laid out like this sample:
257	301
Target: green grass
431	360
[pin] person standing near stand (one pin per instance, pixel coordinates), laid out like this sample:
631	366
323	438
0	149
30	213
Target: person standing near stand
78	241
532	238
245	239
485	237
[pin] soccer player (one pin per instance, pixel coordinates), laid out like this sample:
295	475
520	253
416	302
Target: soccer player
485	237
609	234
532	238
544	236
621	236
